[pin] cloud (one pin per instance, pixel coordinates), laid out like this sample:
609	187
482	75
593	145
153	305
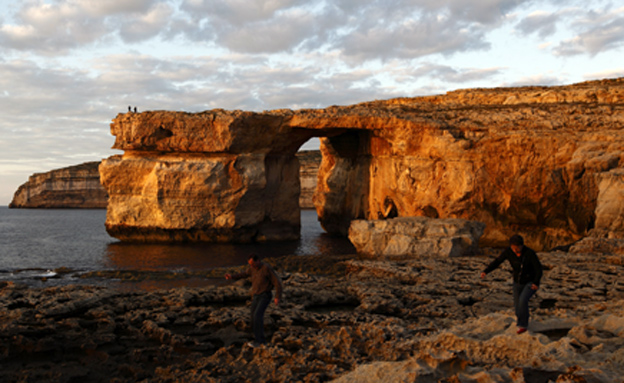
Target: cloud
50	30
412	39
540	79
594	40
597	31
361	30
454	75
99	8
56	28
544	24
145	26
239	12
283	33
615	73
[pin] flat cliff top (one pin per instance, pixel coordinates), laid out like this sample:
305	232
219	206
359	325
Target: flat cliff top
588	106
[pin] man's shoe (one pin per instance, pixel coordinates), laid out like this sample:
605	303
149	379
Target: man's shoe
254	344
521	330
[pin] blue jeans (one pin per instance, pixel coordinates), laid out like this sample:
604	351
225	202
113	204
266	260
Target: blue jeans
259	304
521	294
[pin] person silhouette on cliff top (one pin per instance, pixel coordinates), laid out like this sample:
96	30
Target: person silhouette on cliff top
527	272
263	280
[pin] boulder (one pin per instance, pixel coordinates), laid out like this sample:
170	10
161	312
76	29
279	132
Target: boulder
601	246
409	237
610	204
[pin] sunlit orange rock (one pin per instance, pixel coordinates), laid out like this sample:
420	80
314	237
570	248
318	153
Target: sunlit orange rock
522	160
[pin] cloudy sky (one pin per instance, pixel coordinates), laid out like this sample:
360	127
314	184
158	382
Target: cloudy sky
67	67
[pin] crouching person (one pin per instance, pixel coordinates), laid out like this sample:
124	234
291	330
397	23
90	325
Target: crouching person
263	280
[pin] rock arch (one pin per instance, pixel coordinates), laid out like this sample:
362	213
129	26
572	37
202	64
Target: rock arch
542	161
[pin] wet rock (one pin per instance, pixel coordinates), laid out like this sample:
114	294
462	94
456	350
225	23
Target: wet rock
393	320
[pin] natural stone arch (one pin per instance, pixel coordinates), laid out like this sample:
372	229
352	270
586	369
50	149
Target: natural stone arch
512	158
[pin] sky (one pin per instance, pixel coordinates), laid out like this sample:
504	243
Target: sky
68	67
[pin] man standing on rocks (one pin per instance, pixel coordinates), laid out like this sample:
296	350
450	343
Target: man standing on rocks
527	272
263	279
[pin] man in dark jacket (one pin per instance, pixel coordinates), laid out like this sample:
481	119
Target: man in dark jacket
263	279
527	272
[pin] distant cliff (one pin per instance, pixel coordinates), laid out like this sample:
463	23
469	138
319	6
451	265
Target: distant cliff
71	187
79	186
309	162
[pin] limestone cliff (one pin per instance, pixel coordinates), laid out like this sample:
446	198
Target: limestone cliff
534	160
71	187
309	162
75	186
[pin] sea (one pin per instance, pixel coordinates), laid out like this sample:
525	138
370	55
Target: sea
52	247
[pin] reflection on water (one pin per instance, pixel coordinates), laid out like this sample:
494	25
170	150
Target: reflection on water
46	247
202	256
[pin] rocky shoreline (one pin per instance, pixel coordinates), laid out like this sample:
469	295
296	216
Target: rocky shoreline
343	319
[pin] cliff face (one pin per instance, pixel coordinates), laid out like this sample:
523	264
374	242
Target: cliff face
536	160
309	162
79	186
71	187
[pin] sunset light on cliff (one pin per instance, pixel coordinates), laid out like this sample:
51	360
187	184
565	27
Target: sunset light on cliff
68	67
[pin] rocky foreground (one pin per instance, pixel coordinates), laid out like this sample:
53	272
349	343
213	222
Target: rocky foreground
343	319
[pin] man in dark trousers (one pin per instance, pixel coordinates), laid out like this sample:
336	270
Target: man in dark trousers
263	279
527	272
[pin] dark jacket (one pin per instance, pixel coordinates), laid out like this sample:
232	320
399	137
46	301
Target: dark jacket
263	279
526	268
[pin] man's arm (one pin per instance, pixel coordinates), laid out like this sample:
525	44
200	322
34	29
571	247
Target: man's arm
277	283
494	264
244	274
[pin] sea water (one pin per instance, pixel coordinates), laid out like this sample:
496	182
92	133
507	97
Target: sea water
36	243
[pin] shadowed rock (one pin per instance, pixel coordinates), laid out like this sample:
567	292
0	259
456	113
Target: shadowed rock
375	320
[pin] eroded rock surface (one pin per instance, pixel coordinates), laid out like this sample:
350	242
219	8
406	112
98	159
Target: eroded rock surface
408	237
429	318
309	162
533	160
79	186
71	187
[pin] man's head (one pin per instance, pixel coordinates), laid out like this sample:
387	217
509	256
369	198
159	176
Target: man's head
253	260
516	242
